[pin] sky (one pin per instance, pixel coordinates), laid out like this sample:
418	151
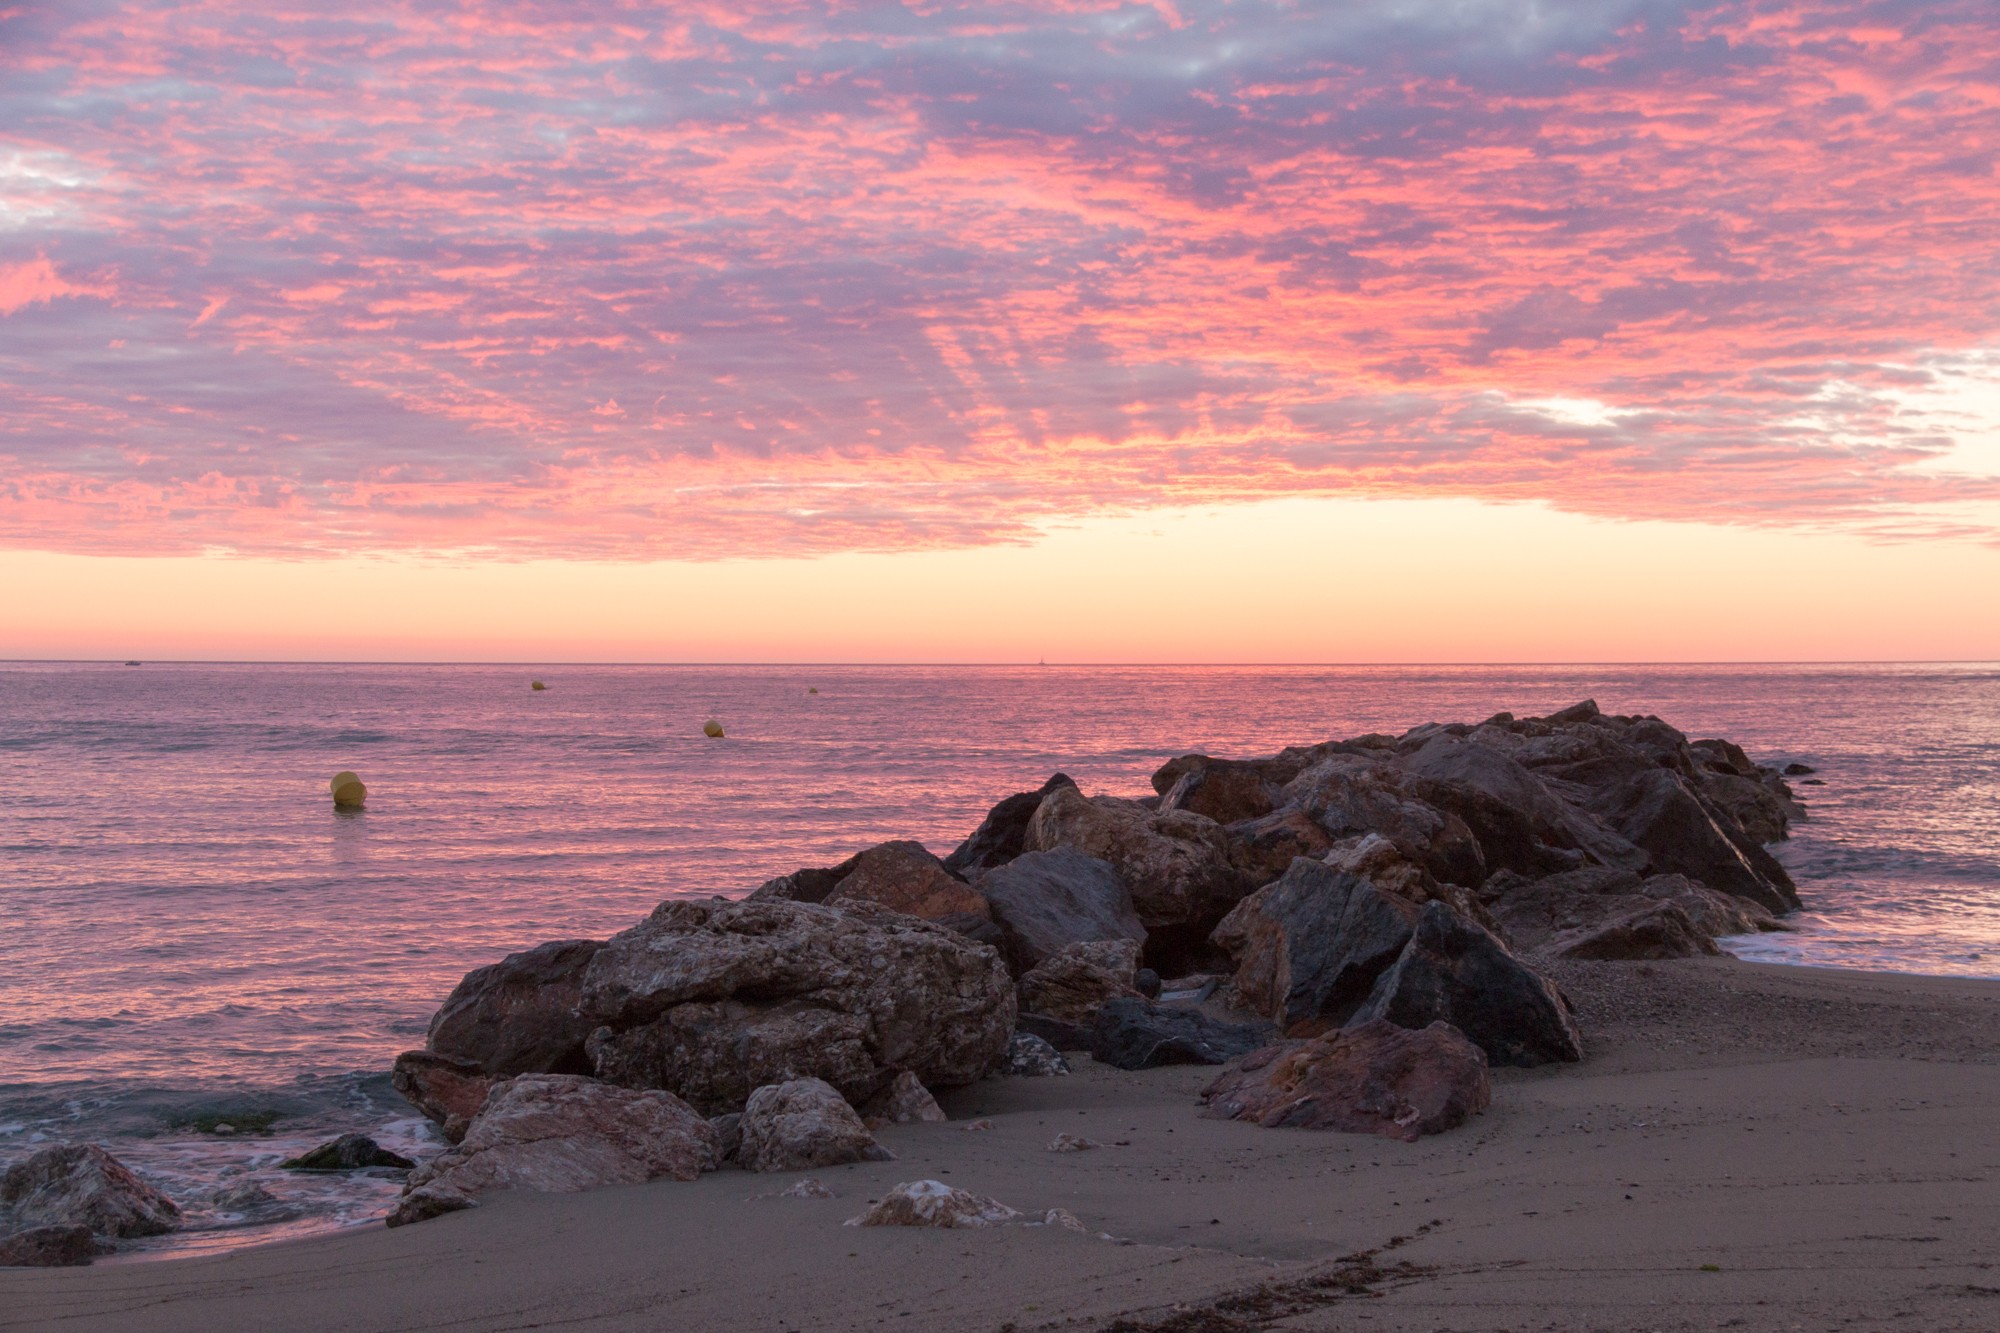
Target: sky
1384	330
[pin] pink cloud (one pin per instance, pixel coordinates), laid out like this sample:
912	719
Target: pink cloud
893	277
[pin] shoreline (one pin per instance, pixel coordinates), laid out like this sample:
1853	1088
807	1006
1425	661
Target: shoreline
1825	1137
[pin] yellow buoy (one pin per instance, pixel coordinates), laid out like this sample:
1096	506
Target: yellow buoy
536	685
712	729
348	793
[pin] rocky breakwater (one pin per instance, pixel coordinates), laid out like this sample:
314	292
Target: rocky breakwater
1356	927
67	1203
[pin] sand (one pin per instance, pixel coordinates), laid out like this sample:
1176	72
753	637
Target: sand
1747	1146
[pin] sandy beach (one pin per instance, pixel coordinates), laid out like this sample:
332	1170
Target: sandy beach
1746	1146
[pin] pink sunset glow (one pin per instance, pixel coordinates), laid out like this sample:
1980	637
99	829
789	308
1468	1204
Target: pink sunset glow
625	281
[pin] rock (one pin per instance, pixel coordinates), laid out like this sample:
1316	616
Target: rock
80	1184
1137	1034
1655	930
1349	794
245	1197
976	1126
448	1091
519	1015
1799	770
1043	901
427	1201
1383	864
1309	948
1175	865
1376	1078
713	999
1061	1217
1761	809
728	1134
1147	982
49	1247
905	877
998	839
349	1152
1453	970
1225	790
808	885
1575	906
1072	983
1655	809
1551	825
1261	849
906	1101
1072	1143
978	929
561	1133
809	1188
1029	1056
802	1124
932	1203
1582	712
1058	1034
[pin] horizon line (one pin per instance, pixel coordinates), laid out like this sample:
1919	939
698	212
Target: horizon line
804	663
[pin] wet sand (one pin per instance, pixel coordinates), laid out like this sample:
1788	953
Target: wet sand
1746	1146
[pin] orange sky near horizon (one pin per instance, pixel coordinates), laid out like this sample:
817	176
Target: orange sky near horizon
1286	581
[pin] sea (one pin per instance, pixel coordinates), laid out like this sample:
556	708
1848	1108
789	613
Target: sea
207	968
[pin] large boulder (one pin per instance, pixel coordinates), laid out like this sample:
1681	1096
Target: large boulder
449	1092
519	1015
49	1247
1656	809
1176	865
81	1185
711	1000
559	1133
1350	793
1044	901
1072	984
1225	790
1137	1034
1309	948
900	875
801	1125
1374	1079
1551	826
1262	849
999	837
1654	930
1455	971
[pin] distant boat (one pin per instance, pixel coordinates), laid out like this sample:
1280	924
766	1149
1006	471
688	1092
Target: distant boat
1043	662
132	664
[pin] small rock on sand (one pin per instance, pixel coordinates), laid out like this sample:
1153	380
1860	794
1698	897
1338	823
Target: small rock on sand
932	1203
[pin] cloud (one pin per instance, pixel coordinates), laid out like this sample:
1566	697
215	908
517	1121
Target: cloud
635	280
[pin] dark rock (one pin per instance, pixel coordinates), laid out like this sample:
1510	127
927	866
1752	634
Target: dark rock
349	1152
800	1125
558	1133
809	885
1656	810
1655	930
1225	790
1043	901
906	1101
1147	982
1383	864
1071	984
728	1134
1031	1056
80	1184
1799	770
1309	948
997	840
1452	970
711	1000
1262	849
1582	712
979	929
519	1015
449	1092
906	878
1373	1079
1175	865
1137	1034
1762	809
49	1247
1062	1036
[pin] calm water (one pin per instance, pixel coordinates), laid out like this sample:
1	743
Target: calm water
188	930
